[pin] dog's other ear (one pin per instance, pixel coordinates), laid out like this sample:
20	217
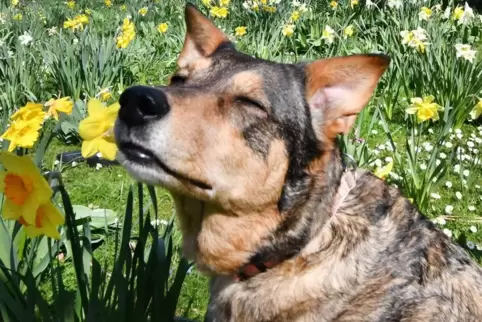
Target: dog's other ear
337	89
202	37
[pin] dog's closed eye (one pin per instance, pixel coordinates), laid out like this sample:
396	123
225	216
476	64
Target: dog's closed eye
251	103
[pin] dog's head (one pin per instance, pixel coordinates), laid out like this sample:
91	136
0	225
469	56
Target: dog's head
233	136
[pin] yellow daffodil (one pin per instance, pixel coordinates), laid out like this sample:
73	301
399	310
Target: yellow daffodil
354	3
415	39
334	4
426	109
270	9
240	31
163	27
108	3
97	130
224	3
71	4
458	13
47	218
328	35
29	112
14	3
63	105
348	31
105	94
295	15
23	187
207	3
383	172
288	30
425	13
22	133
219	12
18	17
477	110
143	11
77	22
127	34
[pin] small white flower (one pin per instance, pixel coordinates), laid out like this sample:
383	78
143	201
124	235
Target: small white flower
459	136
466	173
479	247
473	229
470	144
470	245
447	12
471	208
25	39
442	156
437	162
430	131
448	145
395	4
423	166
457	168
448	184
75	41
56	162
435	195
388	159
428	146
378	162
374	132
439	221
458	195
52	31
98	166
449	209
74	164
448	232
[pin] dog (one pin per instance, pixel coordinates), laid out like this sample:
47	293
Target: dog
248	149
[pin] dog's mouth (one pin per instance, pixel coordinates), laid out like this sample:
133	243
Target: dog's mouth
142	156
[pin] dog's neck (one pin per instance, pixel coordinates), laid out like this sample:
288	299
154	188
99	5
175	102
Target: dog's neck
329	183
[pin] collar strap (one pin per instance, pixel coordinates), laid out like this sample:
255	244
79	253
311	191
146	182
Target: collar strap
251	269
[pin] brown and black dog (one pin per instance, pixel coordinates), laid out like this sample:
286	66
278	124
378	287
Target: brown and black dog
248	149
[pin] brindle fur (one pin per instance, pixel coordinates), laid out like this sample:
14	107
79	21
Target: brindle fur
247	148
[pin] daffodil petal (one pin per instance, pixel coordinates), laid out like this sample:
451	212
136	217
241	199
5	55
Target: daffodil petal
95	106
108	149
89	148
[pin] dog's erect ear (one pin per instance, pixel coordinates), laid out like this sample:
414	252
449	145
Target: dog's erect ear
337	89
202	37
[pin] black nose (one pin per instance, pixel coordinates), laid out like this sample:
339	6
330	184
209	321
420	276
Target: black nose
140	104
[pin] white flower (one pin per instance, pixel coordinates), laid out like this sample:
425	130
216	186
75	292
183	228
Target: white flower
470	245
74	164
479	247
439	220
447	12
448	145
98	166
157	222
430	131
471	208
428	147
466	173
395	4
369	4
378	163
449	209
467	15
473	229
388	159
374	132
437	162
25	39
448	232
457	168
328	35
56	162
466	52
448	184
423	166
52	31
470	144
435	195
458	195
442	156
